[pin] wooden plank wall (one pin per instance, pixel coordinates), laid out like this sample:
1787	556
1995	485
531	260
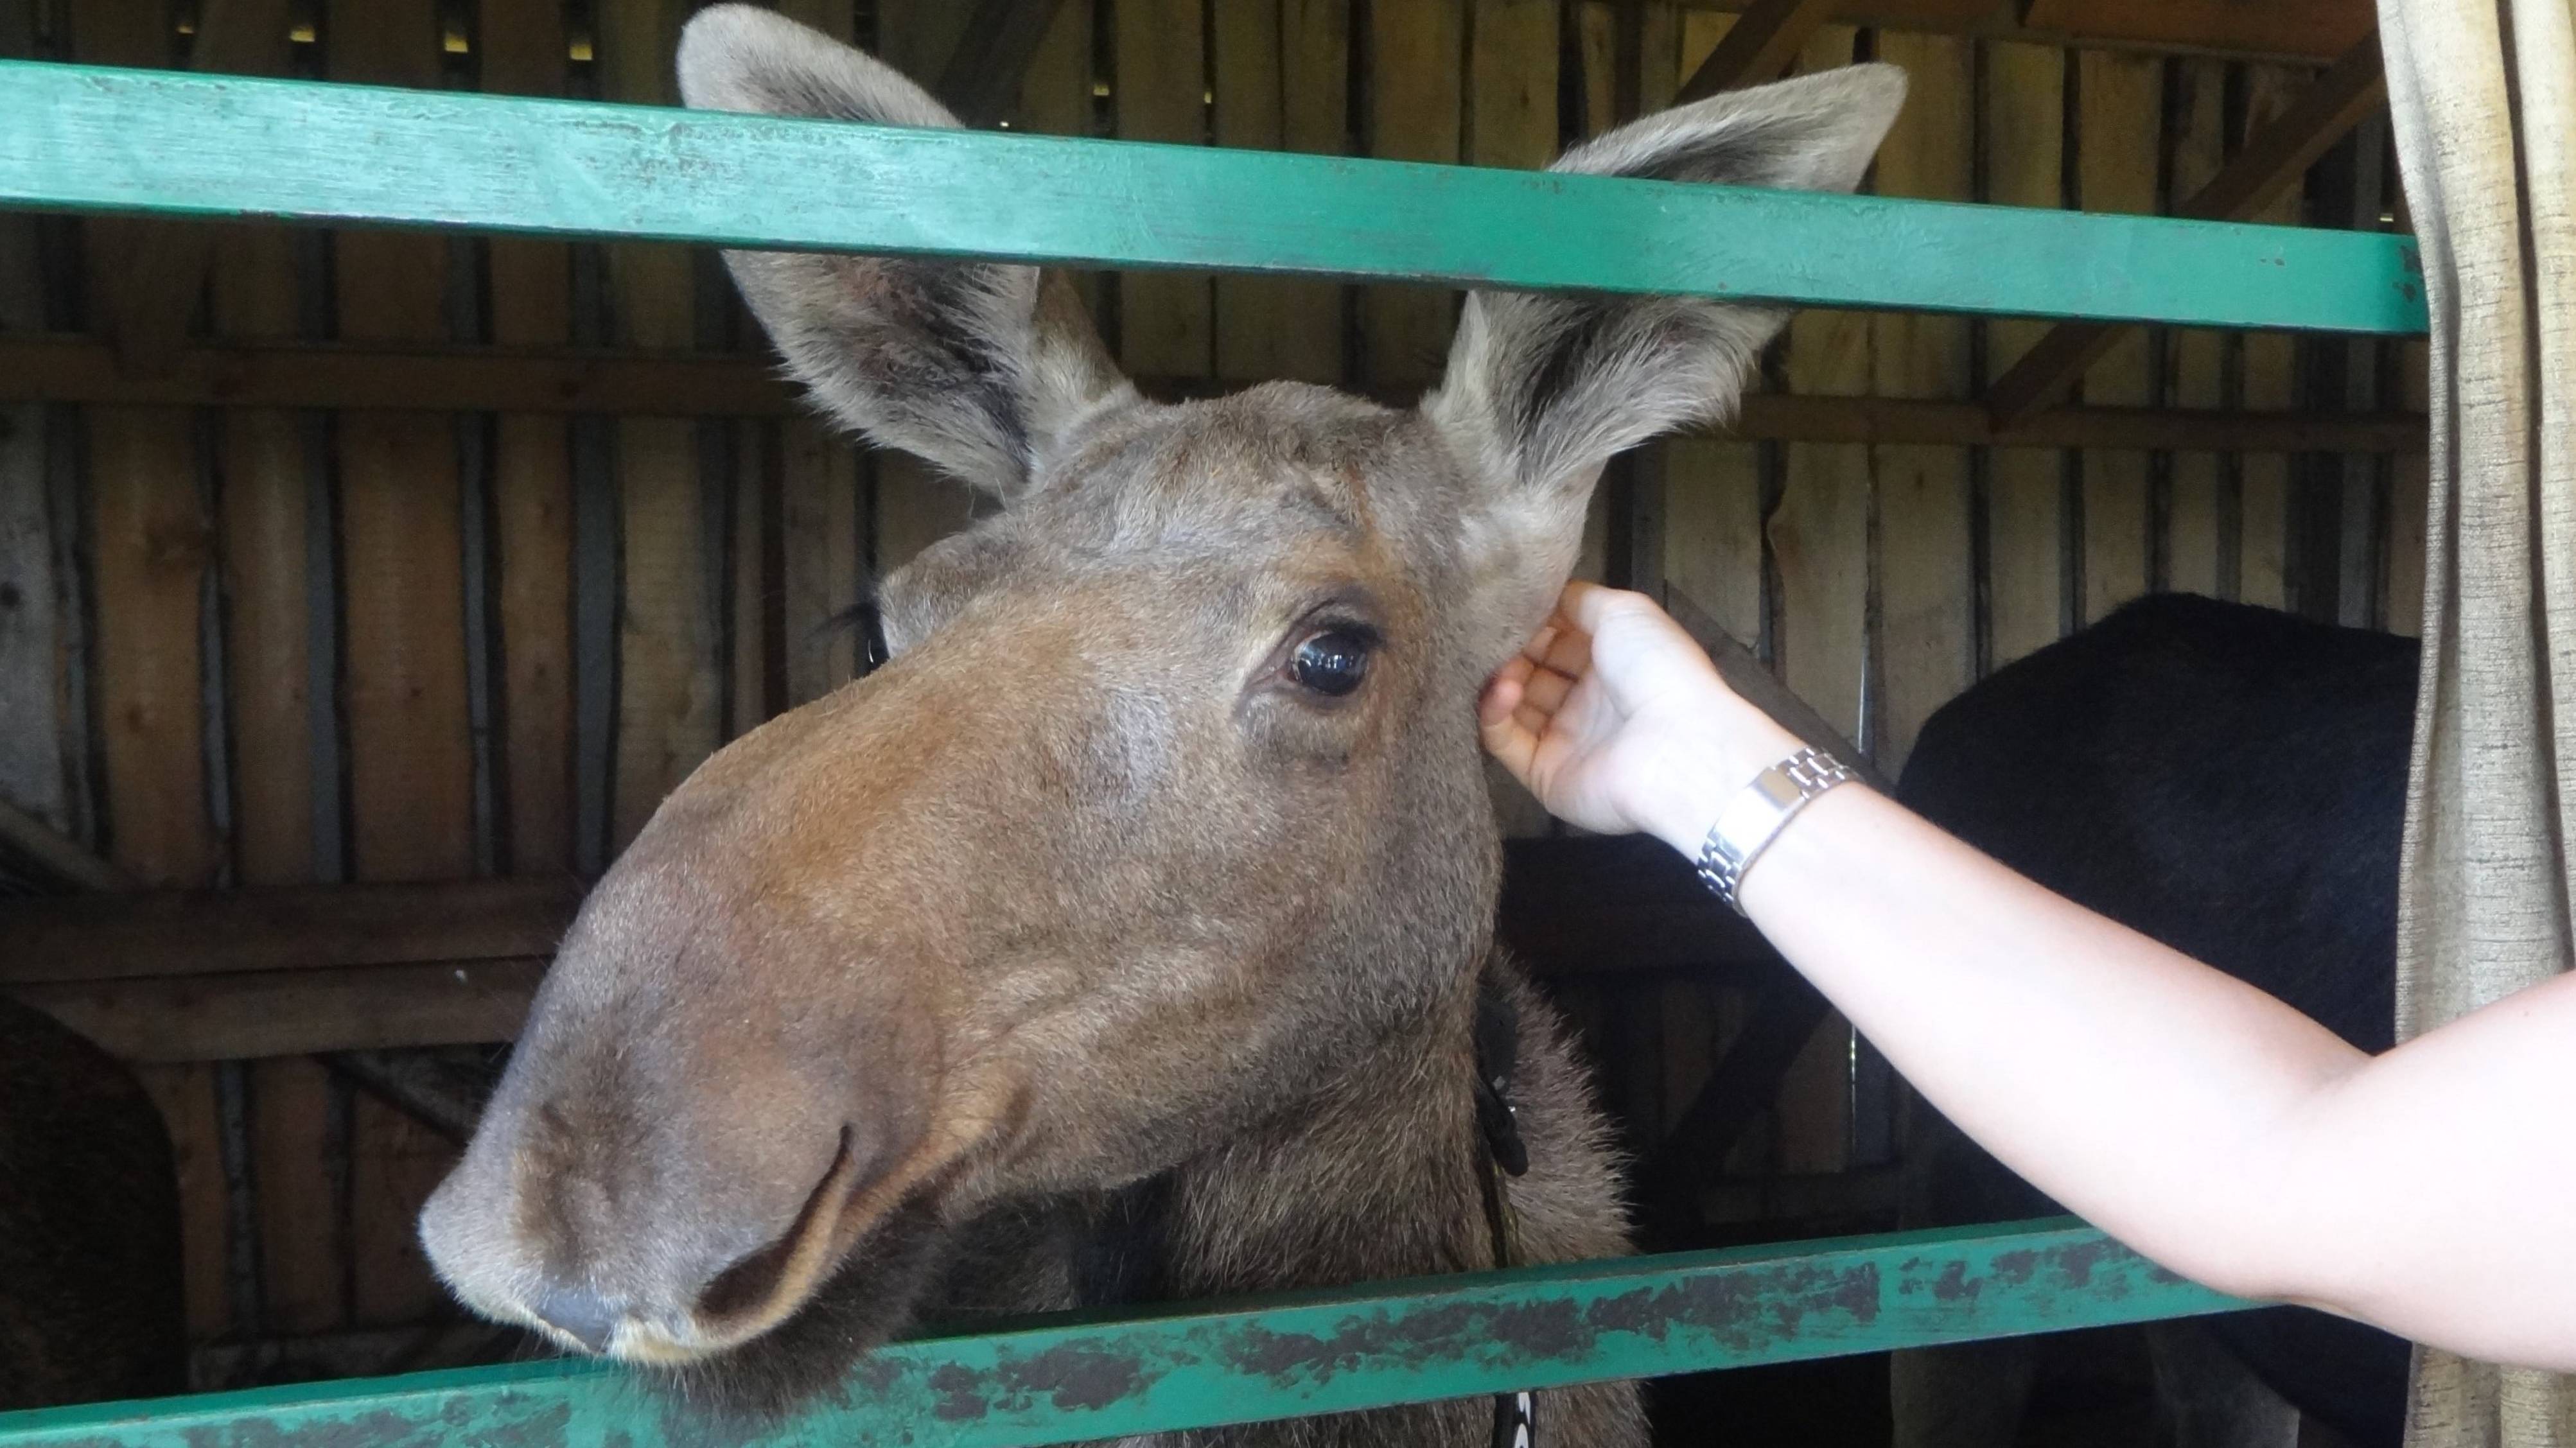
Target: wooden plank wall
273	647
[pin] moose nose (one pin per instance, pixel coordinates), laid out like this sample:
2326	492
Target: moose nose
580	1314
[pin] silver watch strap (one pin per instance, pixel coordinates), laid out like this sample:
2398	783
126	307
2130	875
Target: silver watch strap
1753	819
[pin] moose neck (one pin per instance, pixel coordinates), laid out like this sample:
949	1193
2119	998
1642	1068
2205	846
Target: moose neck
1375	1177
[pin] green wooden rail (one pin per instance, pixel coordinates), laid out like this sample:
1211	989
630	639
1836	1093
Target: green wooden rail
83	138
1198	1365
90	139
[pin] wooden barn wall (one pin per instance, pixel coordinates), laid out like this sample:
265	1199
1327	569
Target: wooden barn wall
274	647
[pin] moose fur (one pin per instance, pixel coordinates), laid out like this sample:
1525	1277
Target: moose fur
2231	781
1101	946
90	1304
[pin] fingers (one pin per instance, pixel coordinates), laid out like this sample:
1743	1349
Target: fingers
1503	692
1512	740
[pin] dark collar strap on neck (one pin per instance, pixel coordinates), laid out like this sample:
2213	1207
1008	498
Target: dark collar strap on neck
1498	1041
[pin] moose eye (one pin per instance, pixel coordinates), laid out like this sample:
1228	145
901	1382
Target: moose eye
1332	663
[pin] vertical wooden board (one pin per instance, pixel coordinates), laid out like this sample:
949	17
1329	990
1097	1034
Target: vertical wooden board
916	507
1819	537
819	478
669	691
2023	139
1281	78
403	1163
1701	30
524	53
402	552
1165	320
1056	99
2120	99
1713	530
151	545
759	579
1659	46
1414	106
1597	50
186	1095
2408	497
1819	533
294	1143
2195	360
31	718
2270	380
1511	117
268	663
669	685
1926	648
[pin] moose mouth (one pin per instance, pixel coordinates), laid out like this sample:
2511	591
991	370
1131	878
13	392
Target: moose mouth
864	1303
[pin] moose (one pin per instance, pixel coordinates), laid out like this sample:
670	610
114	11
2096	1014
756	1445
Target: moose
2230	780
91	1305
1127	933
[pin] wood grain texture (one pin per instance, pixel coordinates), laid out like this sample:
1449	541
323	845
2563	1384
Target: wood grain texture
822	498
1819	536
291	1013
1056	100
2195	360
670	690
410	760
2120	104
31	637
523	53
1927	638
736	179
2270	373
2321	28
299	1149
185	1092
1166	322
916	507
1281	78
2023	136
1414	109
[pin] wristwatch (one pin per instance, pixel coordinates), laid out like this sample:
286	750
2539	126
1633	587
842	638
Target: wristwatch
1753	819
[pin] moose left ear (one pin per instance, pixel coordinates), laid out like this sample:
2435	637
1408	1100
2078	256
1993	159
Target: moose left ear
979	367
1543	389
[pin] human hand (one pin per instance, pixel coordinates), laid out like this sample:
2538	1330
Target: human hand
1615	719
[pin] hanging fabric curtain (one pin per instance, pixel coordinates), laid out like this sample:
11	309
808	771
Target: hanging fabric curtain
2483	97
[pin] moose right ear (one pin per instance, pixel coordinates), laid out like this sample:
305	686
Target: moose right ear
974	366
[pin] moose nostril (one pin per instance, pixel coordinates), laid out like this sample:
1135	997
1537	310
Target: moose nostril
580	1314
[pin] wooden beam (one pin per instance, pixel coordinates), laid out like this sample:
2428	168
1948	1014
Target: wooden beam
288	928
147	321
28	841
248	1015
1758	48
2355	86
529	380
981	82
2273	27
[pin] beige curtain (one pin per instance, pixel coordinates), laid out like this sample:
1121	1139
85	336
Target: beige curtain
2484	98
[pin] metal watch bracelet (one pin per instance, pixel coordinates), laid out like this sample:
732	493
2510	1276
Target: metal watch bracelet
1753	819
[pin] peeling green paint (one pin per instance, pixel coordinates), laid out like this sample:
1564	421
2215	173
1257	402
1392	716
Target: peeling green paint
1192	1365
86	138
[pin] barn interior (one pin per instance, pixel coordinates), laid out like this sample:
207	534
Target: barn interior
361	593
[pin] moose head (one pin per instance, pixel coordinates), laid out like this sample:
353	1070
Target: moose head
1165	806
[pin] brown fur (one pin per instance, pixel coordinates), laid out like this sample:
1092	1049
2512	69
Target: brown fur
90	1304
1083	953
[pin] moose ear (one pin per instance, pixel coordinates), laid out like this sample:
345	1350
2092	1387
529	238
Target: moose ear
1542	390
976	367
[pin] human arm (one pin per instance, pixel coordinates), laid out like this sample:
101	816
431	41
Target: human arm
2199	1120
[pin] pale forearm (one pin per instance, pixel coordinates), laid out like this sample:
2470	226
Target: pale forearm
2134	1085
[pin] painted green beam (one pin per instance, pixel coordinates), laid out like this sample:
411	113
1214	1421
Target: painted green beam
90	139
1196	1365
